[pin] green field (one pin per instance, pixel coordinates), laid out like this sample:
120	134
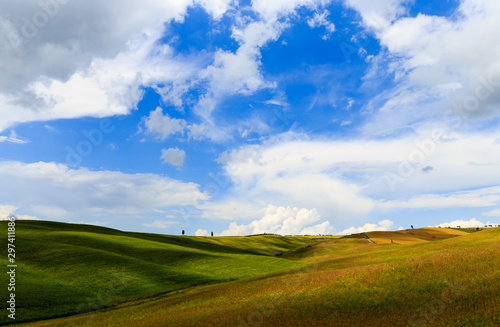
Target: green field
64	269
425	277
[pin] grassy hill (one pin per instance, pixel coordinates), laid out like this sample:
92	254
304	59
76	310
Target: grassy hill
424	277
65	269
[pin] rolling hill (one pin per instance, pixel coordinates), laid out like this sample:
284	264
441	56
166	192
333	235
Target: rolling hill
424	277
78	268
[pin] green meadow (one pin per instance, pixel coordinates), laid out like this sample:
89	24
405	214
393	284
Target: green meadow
93	276
65	269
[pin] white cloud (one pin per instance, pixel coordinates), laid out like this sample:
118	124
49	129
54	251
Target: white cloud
484	197
378	14
271	10
161	224
384	225
321	229
69	68
162	125
201	232
7	210
322	20
444	68
239	72
217	8
350	103
281	220
173	156
350	179
233	73
48	188
67	41
465	223
12	140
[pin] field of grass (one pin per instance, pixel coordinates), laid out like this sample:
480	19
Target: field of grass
424	277
65	269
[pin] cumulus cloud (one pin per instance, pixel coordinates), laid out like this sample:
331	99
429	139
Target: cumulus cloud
201	232
465	223
162	125
64	67
295	221
45	189
378	14
7	210
281	220
438	63
217	8
173	156
384	225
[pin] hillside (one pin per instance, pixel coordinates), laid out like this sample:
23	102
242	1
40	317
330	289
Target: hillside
425	277
64	269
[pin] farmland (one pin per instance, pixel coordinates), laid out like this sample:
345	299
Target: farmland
433	277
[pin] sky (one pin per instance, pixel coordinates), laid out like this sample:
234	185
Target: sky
251	116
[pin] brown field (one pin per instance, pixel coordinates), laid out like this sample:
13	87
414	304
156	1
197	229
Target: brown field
413	236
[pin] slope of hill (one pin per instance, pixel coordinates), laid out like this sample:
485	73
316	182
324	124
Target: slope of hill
347	282
65	269
414	235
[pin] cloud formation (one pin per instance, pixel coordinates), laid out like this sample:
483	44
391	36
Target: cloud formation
162	125
173	156
53	190
62	66
352	179
283	221
442	70
7	210
384	225
201	232
161	224
322	20
466	223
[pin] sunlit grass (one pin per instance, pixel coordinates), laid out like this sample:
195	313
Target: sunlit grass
347	282
65	269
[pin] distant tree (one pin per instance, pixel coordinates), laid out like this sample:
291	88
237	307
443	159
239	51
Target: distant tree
183	232
212	234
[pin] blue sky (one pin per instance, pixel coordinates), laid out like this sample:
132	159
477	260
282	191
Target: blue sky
242	117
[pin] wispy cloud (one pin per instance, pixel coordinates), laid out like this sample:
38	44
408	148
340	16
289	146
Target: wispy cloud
161	224
12	140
